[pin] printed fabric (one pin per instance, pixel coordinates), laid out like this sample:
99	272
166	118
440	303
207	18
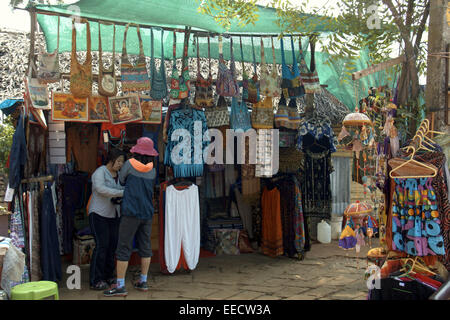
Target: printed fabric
81	74
291	82
262	114
264	153
158	79
186	160
270	81
134	77
218	116
226	84
317	127
180	85
416	225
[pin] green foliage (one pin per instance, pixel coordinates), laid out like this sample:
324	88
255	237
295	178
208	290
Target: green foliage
6	134
224	11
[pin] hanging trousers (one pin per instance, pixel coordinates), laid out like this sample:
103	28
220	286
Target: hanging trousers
106	235
182	227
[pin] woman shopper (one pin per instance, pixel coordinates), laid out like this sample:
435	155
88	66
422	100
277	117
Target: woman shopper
138	175
104	212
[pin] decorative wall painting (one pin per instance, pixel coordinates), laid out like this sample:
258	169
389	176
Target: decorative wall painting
151	110
65	107
125	109
98	109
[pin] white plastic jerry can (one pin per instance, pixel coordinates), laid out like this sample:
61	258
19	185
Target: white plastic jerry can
324	232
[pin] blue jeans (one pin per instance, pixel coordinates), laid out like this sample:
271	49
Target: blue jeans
106	235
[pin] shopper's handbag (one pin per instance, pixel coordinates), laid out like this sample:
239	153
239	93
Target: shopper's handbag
226	84
218	116
180	85
204	95
250	87
239	116
158	86
309	76
291	82
107	82
48	64
81	74
270	81
262	114
134	77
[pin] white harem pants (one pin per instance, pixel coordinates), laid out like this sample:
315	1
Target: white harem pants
182	226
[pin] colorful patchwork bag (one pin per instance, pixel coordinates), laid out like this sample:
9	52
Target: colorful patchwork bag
282	115
158	85
204	95
291	82
226	84
134	78
250	87
218	116
310	78
262	114
107	83
48	64
240	116
270	81
180	85
81	74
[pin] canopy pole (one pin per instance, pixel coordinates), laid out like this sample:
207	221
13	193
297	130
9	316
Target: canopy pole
199	33
33	22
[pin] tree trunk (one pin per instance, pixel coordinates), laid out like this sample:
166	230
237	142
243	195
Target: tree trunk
436	88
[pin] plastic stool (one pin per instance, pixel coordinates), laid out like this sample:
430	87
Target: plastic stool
35	290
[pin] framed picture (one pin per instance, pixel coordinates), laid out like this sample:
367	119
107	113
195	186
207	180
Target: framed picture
65	107
151	110
125	109
98	109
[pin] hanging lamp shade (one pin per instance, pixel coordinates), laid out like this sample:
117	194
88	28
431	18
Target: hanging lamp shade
356	119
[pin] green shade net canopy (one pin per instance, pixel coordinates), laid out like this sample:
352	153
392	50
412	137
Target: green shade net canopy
177	14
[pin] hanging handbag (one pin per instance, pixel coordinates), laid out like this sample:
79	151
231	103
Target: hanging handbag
81	74
180	85
204	95
262	114
218	116
48	64
270	81
310	78
240	116
107	82
282	115
291	82
250	87
134	77
158	85
226	84
36	92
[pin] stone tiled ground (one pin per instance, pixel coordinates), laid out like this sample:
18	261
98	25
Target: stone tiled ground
327	273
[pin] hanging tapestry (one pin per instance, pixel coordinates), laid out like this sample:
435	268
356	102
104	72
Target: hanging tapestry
125	109
151	110
65	107
98	109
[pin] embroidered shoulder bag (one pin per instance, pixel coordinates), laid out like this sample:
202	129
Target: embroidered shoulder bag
218	116
158	80
204	95
240	116
81	74
310	78
180	85
134	77
250	87
226	84
107	82
48	64
270	81
262	114
291	83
